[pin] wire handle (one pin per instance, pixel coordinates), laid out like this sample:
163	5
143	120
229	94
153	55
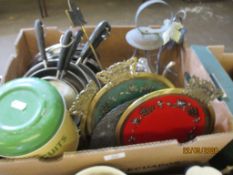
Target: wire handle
145	5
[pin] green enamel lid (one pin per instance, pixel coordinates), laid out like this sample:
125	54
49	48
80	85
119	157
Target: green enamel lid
31	111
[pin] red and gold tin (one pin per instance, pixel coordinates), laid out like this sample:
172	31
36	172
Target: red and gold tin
163	115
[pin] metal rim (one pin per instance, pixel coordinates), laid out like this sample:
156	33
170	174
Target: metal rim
71	78
90	73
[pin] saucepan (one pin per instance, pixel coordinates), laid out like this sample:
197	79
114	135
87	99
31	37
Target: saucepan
83	51
82	71
45	62
67	83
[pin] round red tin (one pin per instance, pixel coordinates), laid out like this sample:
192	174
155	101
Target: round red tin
164	115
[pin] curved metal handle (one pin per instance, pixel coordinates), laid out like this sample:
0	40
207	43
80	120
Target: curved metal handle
168	68
180	15
145	5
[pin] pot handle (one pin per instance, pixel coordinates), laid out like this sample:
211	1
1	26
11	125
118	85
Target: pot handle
77	39
66	42
40	40
99	34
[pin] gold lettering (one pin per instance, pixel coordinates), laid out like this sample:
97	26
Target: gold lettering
57	147
186	150
200	150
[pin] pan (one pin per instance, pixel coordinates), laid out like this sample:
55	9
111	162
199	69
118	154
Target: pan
64	84
48	63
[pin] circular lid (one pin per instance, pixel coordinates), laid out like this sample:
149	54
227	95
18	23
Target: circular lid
142	41
164	115
31	113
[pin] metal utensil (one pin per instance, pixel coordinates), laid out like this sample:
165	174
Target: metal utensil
77	19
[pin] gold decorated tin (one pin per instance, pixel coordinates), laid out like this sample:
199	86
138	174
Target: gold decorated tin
122	83
180	114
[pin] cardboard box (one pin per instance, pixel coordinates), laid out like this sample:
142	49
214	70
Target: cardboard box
134	158
216	72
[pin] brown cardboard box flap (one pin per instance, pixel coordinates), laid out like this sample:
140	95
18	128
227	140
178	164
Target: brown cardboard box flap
135	158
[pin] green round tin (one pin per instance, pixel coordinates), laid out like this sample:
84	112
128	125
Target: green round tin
31	113
112	95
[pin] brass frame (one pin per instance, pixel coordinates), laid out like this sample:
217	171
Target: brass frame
81	104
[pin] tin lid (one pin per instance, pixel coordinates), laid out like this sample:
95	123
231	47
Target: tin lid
31	113
164	115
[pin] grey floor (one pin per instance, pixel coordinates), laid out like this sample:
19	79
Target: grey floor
208	22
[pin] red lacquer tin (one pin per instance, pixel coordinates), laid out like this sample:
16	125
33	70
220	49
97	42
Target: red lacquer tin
163	115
